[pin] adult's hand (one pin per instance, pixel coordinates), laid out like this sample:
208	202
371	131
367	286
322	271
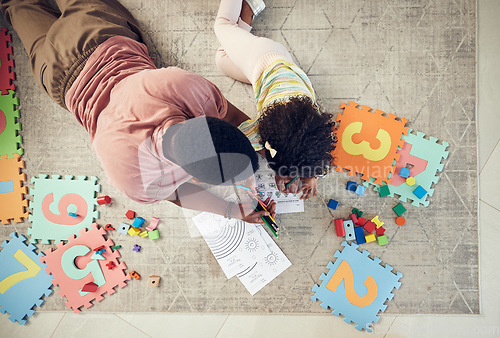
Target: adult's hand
246	211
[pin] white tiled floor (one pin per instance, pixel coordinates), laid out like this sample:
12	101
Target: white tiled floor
64	324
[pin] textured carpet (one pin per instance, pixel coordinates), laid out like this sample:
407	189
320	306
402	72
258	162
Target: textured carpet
415	59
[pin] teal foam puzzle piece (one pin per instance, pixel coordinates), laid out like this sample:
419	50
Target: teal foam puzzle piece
23	279
426	155
10	139
53	198
362	286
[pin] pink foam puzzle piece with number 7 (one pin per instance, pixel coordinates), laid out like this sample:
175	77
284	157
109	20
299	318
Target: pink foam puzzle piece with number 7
72	267
54	198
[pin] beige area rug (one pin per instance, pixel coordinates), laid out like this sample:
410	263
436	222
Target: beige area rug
414	59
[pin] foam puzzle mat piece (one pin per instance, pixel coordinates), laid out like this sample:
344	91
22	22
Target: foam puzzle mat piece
10	139
366	286
426	156
72	267
52	198
23	280
12	203
368	142
7	74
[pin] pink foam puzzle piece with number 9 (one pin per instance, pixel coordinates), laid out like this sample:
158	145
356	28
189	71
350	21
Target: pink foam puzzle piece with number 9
72	267
54	198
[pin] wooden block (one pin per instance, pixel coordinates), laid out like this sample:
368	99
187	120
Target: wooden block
361	221
370	238
90	287
153	281
380	231
382	240
134	231
360	235
349	230
378	222
369	226
410	181
339	227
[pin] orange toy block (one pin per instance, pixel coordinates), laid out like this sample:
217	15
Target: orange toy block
368	142
134	275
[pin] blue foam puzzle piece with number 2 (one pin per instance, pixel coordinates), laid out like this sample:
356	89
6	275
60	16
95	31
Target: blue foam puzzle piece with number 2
23	279
363	270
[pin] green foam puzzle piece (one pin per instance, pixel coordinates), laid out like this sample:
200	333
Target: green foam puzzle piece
10	139
52	197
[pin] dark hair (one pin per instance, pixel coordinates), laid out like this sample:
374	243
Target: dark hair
211	150
301	134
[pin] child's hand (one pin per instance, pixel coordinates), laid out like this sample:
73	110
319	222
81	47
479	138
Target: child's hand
281	182
309	187
252	216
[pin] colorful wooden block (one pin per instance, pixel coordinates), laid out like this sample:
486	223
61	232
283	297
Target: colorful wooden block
90	287
123	228
404	172
382	240
101	200
137	248
339	227
360	190
356	211
370	238
399	209
130	214
351	186
360	235
144	234
153	281
134	231
109	227
361	221
333	204
135	275
349	230
154	234
384	191
138	222
420	192
153	224
380	231
410	181
369	226
353	218
377	222
400	220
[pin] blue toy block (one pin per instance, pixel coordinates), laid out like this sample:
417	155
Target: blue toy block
404	172
360	190
349	230
351	186
333	204
360	235
72	214
357	287
138	222
420	192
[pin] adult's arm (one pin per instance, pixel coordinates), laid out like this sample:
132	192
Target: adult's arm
234	115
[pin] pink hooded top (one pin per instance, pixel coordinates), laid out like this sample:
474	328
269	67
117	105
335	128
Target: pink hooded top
126	104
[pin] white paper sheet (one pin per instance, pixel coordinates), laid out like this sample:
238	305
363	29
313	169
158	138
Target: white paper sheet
285	203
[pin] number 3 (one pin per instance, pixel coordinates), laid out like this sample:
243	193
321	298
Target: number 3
363	148
344	272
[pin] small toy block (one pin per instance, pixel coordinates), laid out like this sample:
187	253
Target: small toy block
116	247
399	209
361	221
154	234
130	214
134	275
134	231
404	172
109	227
103	200
99	248
384	191
360	235
137	248
138	222
380	231
339	227
153	281
378	222
369	226
358	213
97	256
353	218
420	192
333	204
124	227
144	234
349	230
100	252
351	186
382	240
153	224
400	220
357	286
410	181
72	214
370	238
110	265
90	287
360	190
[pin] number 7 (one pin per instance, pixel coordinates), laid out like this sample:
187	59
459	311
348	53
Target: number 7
32	270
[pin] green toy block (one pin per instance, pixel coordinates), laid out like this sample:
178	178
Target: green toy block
384	191
399	209
382	240
154	234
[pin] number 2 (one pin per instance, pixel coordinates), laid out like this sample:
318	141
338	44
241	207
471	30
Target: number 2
32	269
344	272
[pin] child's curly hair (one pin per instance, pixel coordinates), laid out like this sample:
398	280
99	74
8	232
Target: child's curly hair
301	134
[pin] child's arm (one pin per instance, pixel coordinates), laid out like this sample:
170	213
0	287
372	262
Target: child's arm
234	115
194	197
